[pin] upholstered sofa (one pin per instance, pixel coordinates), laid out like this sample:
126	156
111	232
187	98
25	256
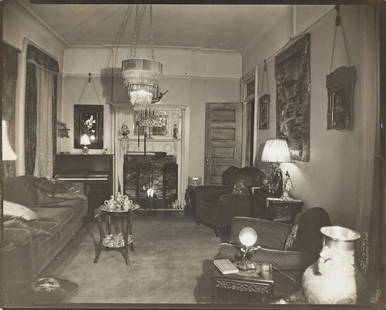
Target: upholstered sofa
29	246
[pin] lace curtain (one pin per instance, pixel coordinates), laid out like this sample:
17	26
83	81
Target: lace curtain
44	151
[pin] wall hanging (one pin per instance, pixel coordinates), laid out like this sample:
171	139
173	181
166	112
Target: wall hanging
264	101
88	122
340	87
293	88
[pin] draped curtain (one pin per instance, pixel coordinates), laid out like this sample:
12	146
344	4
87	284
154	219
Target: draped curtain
369	221
41	95
9	79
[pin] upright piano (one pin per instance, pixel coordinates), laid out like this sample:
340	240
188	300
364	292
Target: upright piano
95	171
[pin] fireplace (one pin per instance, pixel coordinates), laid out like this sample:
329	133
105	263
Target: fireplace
151	180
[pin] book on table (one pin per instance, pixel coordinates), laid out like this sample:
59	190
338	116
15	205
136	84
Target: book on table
225	266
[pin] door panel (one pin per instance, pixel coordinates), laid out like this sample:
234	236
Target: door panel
223	139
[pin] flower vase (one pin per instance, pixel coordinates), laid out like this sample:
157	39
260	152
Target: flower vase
334	277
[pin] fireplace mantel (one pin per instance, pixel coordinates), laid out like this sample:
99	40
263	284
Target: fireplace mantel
177	147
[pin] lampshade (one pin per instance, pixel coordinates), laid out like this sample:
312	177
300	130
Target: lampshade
85	140
8	153
276	151
248	236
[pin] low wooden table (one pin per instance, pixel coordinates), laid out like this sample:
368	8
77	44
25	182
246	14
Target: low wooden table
243	287
120	240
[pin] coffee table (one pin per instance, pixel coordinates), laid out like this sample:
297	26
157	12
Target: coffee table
119	240
244	287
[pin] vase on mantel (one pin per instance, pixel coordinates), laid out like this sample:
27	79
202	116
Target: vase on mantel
334	277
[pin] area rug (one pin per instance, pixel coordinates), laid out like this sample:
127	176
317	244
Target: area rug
166	266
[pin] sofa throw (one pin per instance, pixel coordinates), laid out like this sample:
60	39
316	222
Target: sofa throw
52	186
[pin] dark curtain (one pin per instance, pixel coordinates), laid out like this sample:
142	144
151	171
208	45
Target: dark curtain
30	121
36	56
10	61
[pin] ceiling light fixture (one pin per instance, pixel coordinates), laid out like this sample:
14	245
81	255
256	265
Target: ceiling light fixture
141	76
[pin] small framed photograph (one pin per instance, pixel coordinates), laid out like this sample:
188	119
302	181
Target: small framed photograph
88	120
340	89
255	189
264	111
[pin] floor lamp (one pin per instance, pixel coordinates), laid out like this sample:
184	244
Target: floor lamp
7	154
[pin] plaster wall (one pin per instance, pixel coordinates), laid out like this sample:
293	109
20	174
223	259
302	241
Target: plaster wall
330	178
192	77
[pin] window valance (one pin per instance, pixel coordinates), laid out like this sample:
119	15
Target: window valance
40	58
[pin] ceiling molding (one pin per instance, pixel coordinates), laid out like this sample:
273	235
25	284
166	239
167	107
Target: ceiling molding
44	24
192	48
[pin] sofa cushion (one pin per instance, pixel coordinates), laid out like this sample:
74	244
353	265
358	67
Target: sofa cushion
21	190
16	210
57	215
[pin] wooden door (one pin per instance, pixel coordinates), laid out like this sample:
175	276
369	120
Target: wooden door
223	139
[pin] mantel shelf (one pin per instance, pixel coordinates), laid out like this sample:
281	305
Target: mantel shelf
151	140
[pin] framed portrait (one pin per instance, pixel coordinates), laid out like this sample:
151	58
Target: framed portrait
88	120
340	90
264	111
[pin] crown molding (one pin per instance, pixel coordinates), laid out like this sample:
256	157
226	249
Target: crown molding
43	23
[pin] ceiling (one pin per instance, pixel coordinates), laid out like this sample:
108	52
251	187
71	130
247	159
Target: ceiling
230	27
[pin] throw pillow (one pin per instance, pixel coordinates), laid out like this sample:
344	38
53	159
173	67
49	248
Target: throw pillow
15	210
240	188
52	186
289	242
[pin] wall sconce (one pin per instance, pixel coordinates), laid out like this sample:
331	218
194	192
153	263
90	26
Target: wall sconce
62	130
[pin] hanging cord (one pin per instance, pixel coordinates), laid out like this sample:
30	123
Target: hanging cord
265	77
139	13
121	31
339	22
151	31
90	80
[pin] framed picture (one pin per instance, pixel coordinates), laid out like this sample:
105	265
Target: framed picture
264	111
340	89
88	120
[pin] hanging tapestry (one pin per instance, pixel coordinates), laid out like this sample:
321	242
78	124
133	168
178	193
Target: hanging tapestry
293	87
9	67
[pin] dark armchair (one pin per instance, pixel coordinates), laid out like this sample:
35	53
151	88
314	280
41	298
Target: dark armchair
215	206
290	249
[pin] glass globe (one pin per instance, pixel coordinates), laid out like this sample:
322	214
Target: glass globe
248	236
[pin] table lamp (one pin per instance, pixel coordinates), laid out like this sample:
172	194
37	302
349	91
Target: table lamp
85	140
276	151
8	154
248	238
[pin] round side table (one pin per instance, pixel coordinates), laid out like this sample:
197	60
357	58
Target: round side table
122	238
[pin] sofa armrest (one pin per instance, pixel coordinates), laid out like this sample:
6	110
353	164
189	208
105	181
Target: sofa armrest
270	234
210	193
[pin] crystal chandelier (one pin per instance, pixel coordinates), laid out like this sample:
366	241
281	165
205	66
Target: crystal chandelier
141	76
